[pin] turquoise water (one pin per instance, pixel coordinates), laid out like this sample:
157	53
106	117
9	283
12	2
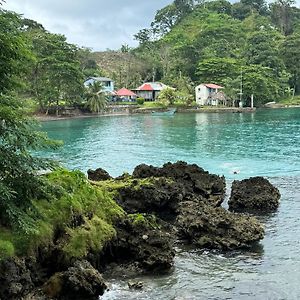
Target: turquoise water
262	143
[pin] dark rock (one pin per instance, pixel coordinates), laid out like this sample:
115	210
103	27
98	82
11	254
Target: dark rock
136	285
194	179
141	240
255	194
160	196
214	227
15	279
81	281
98	175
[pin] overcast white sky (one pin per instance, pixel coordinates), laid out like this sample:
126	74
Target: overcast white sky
97	24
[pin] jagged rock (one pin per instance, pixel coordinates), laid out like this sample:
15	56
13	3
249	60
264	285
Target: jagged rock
254	194
194	179
136	285
98	175
15	279
216	228
153	254
160	196
81	281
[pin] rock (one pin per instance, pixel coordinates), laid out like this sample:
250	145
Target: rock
81	281
194	179
255	194
98	175
216	228
15	279
160	196
153	254
137	285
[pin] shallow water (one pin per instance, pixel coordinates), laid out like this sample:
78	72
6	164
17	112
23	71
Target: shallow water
262	143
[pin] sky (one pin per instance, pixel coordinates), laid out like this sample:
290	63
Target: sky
96	24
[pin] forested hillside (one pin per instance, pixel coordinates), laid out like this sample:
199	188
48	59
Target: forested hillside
251	42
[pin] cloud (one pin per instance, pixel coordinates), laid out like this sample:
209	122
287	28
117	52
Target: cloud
91	23
97	24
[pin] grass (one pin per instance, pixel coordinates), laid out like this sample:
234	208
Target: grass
84	212
291	101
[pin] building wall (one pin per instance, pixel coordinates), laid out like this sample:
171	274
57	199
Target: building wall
202	94
108	86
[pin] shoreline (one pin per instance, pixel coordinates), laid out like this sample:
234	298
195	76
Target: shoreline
129	111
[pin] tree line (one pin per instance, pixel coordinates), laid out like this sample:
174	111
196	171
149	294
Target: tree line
252	42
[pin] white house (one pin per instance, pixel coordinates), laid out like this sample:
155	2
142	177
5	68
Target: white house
107	83
210	94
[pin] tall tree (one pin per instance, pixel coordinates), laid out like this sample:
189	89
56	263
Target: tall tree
18	136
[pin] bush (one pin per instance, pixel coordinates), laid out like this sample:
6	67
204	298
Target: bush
6	249
140	101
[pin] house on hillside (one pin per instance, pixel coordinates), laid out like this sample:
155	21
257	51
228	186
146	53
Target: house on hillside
107	83
210	94
124	95
150	90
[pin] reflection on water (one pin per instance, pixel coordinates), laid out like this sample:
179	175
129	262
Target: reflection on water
262	143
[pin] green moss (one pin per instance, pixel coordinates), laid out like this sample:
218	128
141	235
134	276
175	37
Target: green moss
92	236
7	249
144	220
75	198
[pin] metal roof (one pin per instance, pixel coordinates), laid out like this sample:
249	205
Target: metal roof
213	86
124	92
102	79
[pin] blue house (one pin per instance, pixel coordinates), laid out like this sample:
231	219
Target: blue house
107	83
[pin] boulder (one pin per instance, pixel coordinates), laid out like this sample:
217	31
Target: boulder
194	179
255	194
80	281
159	196
144	242
98	175
214	227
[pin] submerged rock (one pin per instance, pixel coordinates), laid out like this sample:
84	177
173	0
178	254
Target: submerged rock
216	228
98	175
81	281
194	179
136	285
255	194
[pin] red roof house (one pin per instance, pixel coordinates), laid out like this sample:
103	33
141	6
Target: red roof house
210	94
123	92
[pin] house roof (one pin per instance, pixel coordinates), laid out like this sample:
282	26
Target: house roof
152	86
124	92
213	86
102	79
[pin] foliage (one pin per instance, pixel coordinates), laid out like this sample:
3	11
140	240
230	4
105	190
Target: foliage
167	96
95	97
82	212
140	101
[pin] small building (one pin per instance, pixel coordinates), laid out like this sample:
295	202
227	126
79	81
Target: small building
124	95
210	94
150	90
107	83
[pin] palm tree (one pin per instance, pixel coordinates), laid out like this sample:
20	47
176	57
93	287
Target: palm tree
96	98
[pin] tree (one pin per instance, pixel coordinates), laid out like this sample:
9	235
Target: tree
167	96
290	52
218	70
56	74
220	6
282	15
18	136
95	97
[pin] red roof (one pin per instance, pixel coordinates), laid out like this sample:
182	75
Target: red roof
146	87
213	86
125	92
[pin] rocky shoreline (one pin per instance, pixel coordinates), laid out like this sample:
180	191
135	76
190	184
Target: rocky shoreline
163	207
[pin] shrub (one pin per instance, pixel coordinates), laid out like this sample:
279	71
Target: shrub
140	101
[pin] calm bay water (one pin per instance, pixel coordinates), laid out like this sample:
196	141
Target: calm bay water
262	143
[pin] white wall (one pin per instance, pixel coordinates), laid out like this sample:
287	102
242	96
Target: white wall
202	94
